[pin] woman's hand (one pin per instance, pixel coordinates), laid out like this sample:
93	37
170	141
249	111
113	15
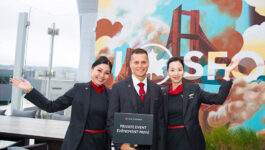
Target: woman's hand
22	84
231	67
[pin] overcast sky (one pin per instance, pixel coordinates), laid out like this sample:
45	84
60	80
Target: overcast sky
43	13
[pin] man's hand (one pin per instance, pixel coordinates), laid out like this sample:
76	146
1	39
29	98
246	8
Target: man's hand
126	146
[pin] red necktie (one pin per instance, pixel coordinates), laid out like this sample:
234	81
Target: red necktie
141	90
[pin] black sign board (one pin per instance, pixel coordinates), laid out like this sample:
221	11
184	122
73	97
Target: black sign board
133	128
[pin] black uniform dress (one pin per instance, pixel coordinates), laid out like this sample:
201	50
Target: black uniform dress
176	138
96	121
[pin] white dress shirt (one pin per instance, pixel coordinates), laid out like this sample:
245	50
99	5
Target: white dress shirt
135	84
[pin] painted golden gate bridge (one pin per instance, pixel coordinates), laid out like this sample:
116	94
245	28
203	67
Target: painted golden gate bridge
198	40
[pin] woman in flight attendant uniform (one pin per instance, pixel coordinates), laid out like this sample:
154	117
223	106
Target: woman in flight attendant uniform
87	128
181	107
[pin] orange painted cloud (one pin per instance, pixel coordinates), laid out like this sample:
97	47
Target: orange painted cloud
106	28
231	7
230	40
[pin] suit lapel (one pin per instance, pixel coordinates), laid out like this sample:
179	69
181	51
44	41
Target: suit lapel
131	91
152	98
86	92
165	94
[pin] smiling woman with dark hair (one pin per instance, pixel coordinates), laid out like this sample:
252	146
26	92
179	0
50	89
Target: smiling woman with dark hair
181	107
87	128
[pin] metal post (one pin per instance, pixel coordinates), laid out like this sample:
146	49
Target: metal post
51	31
88	21
23	23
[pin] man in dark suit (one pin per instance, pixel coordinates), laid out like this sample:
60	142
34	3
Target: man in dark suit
137	94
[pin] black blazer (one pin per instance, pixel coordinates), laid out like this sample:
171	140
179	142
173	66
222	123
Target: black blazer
123	99
193	96
79	98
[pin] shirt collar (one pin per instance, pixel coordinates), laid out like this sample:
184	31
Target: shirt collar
99	89
176	91
136	81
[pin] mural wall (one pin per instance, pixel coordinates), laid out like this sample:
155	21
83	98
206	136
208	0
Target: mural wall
207	34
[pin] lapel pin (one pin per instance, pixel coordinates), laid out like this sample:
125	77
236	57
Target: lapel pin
191	95
86	88
129	85
165	93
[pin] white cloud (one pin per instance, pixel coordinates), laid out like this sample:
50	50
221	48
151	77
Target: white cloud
131	17
254	38
259	6
255	33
